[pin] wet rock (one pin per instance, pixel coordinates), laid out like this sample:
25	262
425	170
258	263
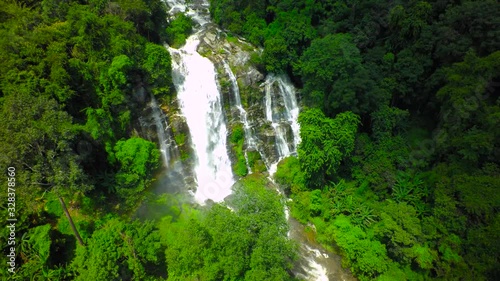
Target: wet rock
139	94
252	77
210	37
235	52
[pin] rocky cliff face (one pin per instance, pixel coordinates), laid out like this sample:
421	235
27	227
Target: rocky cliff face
221	48
162	124
243	88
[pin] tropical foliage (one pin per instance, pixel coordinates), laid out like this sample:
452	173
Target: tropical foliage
398	165
398	168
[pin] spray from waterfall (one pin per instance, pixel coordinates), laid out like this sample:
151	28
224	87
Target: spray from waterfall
200	102
156	118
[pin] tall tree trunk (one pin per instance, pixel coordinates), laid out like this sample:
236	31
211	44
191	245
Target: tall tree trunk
73	227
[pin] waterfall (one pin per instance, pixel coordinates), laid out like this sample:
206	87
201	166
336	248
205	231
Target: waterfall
249	136
282	116
161	131
198	11
287	91
155	117
282	111
200	103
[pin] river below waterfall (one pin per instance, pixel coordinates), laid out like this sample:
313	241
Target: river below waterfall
315	263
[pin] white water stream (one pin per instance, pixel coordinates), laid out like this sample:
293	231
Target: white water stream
200	103
159	118
280	89
154	117
249	136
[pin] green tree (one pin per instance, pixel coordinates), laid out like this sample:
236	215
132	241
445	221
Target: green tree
294	32
158	66
407	24
469	24
289	174
275	55
148	17
138	159
114	81
246	242
179	29
367	257
400	227
254	29
325	143
334	77
388	122
43	151
469	115
119	250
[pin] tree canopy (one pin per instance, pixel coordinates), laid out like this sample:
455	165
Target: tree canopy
400	185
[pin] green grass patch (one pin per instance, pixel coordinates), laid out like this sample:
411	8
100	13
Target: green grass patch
54	207
241	167
231	39
253	157
180	139
238	134
185	155
237	139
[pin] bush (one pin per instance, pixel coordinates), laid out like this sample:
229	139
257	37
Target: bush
178	30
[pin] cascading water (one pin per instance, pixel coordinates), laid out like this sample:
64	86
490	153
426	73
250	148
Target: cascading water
155	127
279	87
315	272
200	14
282	111
158	117
249	136
199	96
291	113
155	117
315	263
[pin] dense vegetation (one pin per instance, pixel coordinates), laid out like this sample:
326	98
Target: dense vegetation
398	168
74	77
70	76
246	242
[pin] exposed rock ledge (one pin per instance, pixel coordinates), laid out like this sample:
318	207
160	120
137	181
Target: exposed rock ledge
217	46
